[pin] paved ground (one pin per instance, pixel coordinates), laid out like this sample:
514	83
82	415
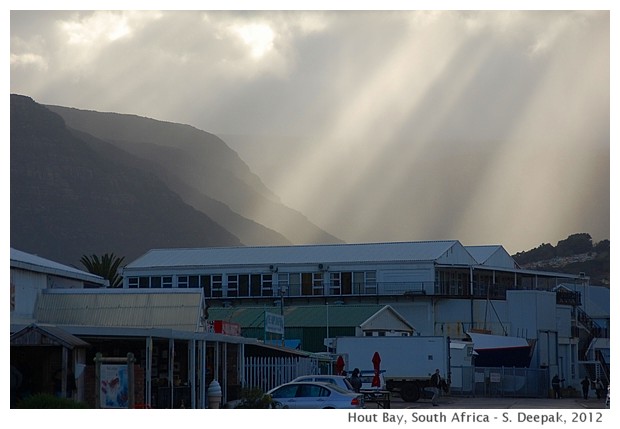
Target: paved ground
457	402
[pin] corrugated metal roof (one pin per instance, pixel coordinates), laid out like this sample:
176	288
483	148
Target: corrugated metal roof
27	261
297	254
482	253
50	332
492	256
306	316
178	309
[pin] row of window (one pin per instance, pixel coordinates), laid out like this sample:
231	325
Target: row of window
447	282
266	285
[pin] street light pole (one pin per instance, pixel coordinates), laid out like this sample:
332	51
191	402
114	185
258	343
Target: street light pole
282	311
327	326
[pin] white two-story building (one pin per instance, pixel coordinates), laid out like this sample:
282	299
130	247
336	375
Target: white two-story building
439	287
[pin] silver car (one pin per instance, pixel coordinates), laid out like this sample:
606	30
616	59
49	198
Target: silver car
337	380
309	395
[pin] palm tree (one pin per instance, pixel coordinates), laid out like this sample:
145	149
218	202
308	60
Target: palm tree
106	267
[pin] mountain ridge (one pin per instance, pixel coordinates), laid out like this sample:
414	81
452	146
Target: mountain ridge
206	167
73	194
68	200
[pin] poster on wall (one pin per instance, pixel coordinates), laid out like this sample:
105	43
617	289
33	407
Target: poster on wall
114	386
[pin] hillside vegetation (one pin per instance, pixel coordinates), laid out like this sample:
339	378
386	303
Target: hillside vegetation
573	255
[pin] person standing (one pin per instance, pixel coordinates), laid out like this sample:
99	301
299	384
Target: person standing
356	381
435	386
585	386
555	384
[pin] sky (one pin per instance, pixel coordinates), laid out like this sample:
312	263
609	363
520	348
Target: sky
488	127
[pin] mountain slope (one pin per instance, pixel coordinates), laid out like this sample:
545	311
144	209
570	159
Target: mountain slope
71	197
201	168
573	255
248	231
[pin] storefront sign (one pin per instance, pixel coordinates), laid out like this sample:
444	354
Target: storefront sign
274	323
226	328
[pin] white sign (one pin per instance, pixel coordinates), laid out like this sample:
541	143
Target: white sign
274	323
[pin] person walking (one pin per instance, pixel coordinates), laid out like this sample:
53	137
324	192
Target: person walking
435	386
555	384
585	386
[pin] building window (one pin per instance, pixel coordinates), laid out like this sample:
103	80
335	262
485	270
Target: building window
216	286
318	288
255	285
291	283
194	281
155	282
232	287
144	283
205	284
166	282
132	282
182	281
267	285
335	286
346	283
370	280
306	283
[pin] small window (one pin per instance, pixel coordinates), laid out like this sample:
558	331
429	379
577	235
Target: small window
182	281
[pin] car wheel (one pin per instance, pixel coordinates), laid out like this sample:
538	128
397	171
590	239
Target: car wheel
410	392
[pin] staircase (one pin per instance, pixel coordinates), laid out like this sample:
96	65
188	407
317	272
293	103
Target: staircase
589	330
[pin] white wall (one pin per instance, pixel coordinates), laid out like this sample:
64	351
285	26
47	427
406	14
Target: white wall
26	285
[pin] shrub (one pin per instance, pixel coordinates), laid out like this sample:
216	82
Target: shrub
256	398
45	400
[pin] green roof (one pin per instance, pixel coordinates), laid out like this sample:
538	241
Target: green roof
298	316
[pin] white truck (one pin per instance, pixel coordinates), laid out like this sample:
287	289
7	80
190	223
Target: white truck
406	363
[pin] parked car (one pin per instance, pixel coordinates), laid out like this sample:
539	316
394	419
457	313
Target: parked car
309	395
367	377
338	380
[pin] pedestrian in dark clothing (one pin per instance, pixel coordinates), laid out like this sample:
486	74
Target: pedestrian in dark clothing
356	381
555	383
435	386
585	386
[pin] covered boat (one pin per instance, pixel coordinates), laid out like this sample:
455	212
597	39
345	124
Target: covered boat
498	350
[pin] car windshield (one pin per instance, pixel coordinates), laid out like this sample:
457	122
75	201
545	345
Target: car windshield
338	389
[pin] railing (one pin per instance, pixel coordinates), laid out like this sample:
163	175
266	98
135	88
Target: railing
375	289
500	382
266	373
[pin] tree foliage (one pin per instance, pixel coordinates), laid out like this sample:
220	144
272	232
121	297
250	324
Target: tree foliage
574	245
548	257
106	267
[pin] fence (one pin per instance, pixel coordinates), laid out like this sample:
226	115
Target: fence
500	382
268	372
